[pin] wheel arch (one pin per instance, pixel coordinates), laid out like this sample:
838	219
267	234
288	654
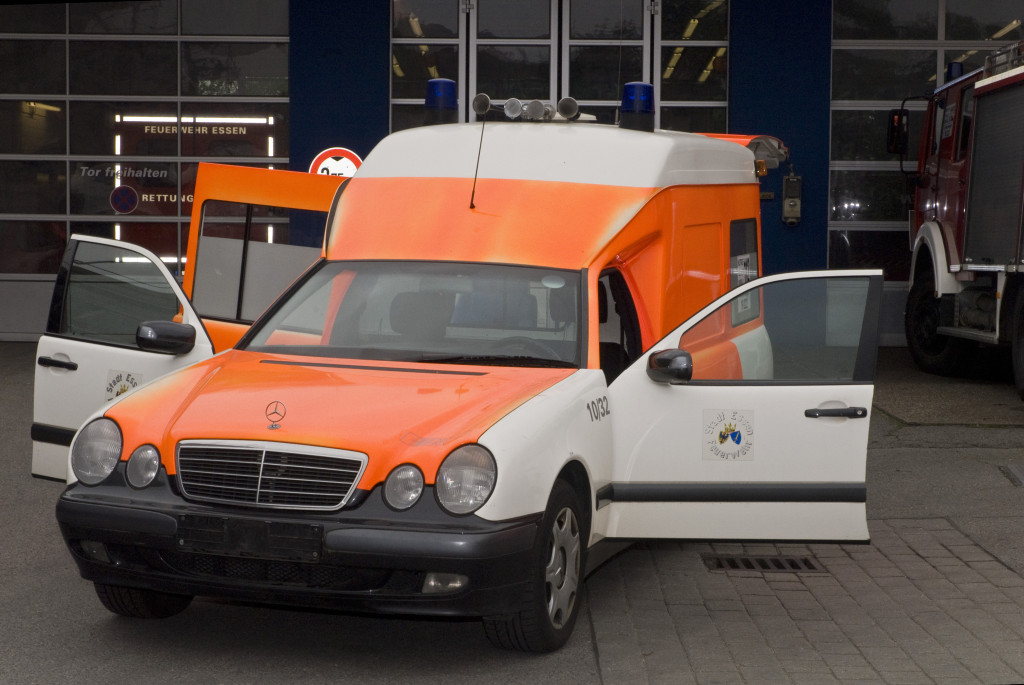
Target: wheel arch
550	436
575	474
929	251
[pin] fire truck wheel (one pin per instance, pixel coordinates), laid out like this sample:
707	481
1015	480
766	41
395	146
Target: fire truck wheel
931	351
547	614
1017	344
135	603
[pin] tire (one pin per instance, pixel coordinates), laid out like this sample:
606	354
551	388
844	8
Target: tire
1017	344
931	351
547	615
135	603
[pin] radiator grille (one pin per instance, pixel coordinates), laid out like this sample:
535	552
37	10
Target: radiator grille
268	474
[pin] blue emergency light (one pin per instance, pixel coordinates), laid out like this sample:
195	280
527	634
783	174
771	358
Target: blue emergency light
442	103
637	109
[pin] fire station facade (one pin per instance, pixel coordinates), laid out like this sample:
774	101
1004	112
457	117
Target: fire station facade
106	108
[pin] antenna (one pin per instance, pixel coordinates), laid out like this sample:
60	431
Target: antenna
481	105
534	110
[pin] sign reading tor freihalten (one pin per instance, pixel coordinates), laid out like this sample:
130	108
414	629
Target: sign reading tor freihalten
335	161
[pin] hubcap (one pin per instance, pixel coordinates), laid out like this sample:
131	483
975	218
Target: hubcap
562	572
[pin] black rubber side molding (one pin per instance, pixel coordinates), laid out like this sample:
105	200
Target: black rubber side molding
732	492
52	434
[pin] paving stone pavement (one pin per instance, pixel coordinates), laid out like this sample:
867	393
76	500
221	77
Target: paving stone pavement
924	602
921	604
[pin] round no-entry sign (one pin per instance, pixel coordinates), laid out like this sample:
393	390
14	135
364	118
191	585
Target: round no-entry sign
335	161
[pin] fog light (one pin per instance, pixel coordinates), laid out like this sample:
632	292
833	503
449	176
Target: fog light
441	583
95	550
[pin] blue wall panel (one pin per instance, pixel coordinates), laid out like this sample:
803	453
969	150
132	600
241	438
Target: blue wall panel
779	84
339	75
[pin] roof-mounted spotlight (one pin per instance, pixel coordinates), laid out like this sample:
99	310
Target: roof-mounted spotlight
538	111
568	109
513	108
481	104
442	103
534	110
637	109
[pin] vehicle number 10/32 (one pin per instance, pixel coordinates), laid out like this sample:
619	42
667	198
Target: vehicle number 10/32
598	408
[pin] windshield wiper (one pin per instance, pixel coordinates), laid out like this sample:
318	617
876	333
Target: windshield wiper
496	359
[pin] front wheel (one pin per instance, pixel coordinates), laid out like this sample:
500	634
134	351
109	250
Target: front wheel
932	351
137	603
547	614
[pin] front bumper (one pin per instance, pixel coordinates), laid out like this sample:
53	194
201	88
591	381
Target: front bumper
365	557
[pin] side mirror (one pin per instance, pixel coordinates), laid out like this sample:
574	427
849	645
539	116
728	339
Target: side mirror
165	337
674	367
897	133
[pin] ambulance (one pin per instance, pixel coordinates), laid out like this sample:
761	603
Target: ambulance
521	345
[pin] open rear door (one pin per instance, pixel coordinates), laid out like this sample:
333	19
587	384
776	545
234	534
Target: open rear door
253	232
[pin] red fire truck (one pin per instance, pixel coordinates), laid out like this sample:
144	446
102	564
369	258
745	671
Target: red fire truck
967	268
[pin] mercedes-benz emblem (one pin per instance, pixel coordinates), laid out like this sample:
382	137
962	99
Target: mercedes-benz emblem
275	412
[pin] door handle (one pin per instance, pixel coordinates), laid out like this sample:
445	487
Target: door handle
57	363
842	412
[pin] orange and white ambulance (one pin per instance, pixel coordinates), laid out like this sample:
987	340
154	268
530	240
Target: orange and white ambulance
522	343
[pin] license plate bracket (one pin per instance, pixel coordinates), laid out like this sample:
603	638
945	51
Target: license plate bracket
253	538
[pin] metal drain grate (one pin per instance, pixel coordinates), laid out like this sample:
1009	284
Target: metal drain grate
762	564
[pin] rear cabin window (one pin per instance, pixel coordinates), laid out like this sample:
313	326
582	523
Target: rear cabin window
247	258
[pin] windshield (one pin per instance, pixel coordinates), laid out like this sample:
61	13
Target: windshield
442	312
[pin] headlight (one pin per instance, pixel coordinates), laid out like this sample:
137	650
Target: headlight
403	487
142	466
96	451
466	479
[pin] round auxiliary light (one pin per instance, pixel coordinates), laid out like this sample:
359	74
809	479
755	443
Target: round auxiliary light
442	103
637	110
403	487
143	466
